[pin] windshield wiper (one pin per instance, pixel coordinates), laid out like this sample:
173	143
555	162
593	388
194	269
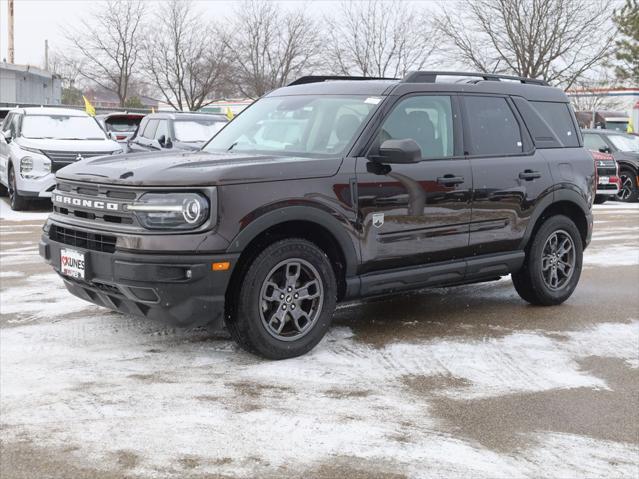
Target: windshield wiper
232	146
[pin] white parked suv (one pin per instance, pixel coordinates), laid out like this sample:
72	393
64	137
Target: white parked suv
37	142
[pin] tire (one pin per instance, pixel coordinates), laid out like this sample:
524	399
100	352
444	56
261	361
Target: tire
256	318
600	199
3	190
629	192
17	202
534	284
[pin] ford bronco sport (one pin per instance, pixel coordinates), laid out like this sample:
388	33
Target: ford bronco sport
331	189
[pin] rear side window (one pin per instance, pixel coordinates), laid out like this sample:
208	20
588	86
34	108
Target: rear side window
492	127
559	119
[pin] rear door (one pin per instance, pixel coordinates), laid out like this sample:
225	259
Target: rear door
4	149
416	214
509	176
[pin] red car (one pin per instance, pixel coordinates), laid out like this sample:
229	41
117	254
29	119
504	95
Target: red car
608	181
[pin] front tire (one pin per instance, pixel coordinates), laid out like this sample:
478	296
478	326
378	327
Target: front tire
17	202
629	192
553	263
285	301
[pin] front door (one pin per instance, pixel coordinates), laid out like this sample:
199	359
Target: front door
419	213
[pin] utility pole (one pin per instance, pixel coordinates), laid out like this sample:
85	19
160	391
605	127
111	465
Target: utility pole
10	17
46	55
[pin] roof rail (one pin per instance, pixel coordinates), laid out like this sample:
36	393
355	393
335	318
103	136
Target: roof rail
321	78
431	77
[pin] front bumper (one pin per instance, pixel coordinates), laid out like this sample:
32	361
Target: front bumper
36	188
181	290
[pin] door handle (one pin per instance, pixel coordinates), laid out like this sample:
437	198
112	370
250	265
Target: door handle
450	180
529	175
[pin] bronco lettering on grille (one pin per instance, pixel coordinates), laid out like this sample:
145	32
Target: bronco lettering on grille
85	203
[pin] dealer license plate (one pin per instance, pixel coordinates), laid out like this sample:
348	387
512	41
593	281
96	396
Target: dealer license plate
604	180
72	263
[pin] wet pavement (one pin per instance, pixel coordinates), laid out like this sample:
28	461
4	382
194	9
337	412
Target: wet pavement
454	382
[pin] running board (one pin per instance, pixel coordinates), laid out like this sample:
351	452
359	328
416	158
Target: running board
437	274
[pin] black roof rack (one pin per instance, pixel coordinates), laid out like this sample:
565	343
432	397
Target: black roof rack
431	77
321	78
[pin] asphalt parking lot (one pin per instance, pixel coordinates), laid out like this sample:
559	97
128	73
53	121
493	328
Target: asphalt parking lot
456	382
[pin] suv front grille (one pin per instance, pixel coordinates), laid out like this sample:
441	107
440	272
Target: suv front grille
60	159
82	239
96	193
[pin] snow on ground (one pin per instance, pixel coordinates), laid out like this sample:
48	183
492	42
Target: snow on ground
6	213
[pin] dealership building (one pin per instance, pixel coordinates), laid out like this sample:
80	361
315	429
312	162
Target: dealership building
28	85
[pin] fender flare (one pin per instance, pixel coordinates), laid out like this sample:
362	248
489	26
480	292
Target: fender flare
312	214
562	195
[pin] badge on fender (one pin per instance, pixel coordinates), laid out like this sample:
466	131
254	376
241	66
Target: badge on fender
378	220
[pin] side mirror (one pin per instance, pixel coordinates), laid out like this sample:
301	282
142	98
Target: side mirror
6	136
168	143
162	141
604	149
399	151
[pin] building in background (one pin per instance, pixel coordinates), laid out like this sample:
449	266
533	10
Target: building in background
618	99
28	85
107	100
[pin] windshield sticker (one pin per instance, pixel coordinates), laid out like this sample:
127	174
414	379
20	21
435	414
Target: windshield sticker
373	100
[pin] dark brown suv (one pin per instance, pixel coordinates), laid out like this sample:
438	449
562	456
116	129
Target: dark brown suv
331	189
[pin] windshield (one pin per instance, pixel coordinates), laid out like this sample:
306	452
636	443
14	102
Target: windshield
625	143
191	131
618	125
61	127
303	125
122	124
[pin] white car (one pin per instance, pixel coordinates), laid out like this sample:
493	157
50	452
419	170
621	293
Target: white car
37	142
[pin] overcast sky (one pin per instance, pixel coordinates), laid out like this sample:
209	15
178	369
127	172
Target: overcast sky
37	20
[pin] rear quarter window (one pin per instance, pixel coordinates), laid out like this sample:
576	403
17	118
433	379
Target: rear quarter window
559	119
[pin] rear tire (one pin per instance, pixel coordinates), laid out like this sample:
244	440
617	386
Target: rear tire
553	263
17	202
629	192
285	301
600	199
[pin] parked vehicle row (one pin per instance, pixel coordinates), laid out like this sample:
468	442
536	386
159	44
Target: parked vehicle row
624	149
324	191
37	142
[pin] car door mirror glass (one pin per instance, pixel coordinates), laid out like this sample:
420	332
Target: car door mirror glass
604	149
399	151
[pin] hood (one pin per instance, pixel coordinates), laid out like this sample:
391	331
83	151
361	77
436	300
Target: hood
77	146
627	156
196	169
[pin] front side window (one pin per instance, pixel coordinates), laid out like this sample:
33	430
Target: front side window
61	127
427	119
193	131
162	130
625	143
301	125
594	142
492	127
149	129
559	119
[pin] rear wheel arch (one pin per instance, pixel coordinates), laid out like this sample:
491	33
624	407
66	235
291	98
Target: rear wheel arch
566	207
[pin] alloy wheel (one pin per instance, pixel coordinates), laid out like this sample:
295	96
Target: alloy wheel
291	299
626	187
558	260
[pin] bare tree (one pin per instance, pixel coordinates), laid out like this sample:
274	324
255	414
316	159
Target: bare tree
378	38
110	44
185	57
270	46
555	40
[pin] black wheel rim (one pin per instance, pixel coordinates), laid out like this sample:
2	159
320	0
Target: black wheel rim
12	187
558	260
626	187
291	299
